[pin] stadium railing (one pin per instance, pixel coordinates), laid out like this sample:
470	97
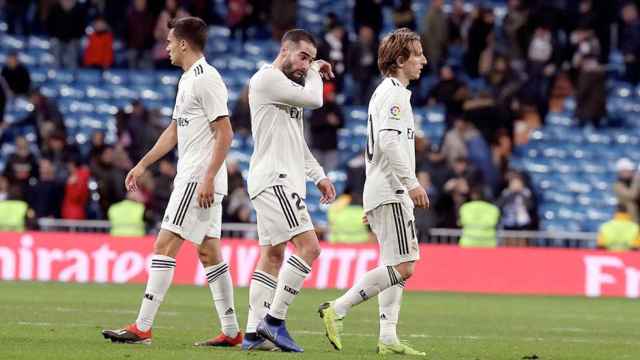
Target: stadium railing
434	236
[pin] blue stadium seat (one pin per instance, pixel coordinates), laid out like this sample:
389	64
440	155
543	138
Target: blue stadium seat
61	76
88	76
144	78
116	77
94	93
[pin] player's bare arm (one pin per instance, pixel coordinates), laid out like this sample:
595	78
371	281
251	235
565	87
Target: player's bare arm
223	135
165	143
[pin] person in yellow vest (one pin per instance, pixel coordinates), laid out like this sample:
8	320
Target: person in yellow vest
620	233
478	219
127	216
345	221
13	210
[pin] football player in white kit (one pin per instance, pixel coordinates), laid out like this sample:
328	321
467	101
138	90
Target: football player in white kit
390	193
202	131
280	165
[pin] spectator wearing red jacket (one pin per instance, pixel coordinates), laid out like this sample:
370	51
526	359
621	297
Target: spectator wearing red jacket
76	191
99	51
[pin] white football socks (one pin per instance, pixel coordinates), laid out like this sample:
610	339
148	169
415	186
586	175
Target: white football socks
371	284
221	288
160	277
261	291
389	302
290	281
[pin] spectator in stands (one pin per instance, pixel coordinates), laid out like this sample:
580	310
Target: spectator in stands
237	206
324	124
284	14
76	190
66	27
17	16
627	188
435	34
481	27
620	233
14	211
449	91
110	179
455	192
97	145
58	152
363	64
45	117
241	116
355	178
481	156
516	205
515	26
4	188
172	10
457	23
505	82
141	129
630	42
434	163
479	219
453	146
99	51
403	15
238	17
368	13
333	48
162	185
16	75
45	194
21	167
139	35
591	101
540	65
426	218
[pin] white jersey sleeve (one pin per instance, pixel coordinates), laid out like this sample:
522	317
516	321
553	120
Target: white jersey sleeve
278	89
212	94
391	112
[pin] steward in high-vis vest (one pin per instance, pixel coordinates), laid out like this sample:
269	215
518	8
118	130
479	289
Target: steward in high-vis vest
620	233
127	218
345	220
13	214
478	219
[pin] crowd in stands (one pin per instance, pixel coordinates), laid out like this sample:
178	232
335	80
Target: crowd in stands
496	75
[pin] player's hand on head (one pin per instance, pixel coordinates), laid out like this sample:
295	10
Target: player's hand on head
325	70
419	197
205	194
328	191
365	220
131	181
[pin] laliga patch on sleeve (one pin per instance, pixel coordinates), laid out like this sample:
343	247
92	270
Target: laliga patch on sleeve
395	112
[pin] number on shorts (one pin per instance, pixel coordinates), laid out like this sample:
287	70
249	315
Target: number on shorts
298	199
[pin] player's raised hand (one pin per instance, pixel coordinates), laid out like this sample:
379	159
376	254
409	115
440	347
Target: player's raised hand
328	191
324	68
131	181
205	194
419	197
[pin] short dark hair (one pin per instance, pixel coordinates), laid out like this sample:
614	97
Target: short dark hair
297	35
190	28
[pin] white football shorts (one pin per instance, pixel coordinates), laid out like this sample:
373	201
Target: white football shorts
394	226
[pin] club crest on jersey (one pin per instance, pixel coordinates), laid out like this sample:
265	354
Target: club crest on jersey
294	113
395	112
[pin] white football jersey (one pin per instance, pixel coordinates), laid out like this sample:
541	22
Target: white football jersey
389	109
280	153
201	99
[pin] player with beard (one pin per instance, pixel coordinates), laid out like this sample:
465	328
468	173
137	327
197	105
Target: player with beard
280	164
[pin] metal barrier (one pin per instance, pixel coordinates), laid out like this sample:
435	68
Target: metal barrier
435	236
519	238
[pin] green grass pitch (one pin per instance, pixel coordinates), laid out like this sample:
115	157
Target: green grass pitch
63	321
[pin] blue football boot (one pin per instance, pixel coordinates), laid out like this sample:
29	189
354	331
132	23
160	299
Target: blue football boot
278	335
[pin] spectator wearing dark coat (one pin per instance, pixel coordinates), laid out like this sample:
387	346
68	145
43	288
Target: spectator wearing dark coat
16	75
333	48
110	179
630	42
66	26
368	13
46	193
363	64
139	35
21	167
325	123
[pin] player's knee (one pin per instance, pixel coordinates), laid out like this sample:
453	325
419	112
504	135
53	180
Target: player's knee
406	270
313	252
